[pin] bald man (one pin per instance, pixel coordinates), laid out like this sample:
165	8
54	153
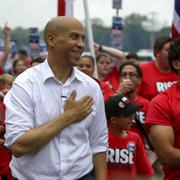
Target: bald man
55	120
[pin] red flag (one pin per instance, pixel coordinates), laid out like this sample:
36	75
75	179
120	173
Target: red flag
175	29
65	8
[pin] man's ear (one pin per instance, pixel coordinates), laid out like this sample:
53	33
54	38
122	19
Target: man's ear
51	40
176	64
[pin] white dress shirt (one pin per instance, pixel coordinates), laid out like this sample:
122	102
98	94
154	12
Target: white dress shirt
37	97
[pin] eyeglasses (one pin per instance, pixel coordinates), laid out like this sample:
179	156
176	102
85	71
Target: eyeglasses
130	74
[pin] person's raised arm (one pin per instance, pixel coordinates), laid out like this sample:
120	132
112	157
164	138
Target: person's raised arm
113	52
6	32
34	139
125	87
163	141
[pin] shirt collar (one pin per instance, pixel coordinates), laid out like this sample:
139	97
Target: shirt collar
47	72
77	74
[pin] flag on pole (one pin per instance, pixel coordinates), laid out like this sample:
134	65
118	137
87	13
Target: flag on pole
175	29
65	8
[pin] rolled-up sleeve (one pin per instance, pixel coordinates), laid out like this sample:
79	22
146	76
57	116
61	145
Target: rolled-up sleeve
19	115
98	128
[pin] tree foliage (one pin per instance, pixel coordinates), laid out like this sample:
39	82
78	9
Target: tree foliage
137	35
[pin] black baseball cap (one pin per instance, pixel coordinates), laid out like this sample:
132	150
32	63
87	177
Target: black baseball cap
119	105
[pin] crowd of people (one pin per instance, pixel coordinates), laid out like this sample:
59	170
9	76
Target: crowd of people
58	121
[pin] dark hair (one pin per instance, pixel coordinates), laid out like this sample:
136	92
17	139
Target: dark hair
88	56
132	55
174	53
159	43
138	68
23	52
37	60
15	63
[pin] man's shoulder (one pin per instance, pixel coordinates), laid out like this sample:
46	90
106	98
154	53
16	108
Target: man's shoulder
163	100
86	79
132	134
162	107
148	65
29	75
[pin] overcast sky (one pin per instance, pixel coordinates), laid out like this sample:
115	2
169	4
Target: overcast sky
35	13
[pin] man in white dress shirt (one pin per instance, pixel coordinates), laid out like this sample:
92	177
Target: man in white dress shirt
55	119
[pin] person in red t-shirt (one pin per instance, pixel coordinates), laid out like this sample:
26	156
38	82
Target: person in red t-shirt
126	153
5	154
163	120
18	66
106	71
22	54
86	65
108	61
6	81
130	77
2	131
157	75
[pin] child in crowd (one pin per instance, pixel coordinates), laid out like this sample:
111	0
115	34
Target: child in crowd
126	154
6	81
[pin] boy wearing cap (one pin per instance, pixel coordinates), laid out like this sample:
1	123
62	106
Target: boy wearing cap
126	154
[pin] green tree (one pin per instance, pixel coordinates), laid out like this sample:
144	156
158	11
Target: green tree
21	35
138	33
135	35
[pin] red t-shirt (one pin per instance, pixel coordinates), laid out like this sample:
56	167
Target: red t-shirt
127	157
164	110
5	154
106	90
141	114
1	71
154	81
113	79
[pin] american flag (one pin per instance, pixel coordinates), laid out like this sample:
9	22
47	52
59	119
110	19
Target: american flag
65	8
175	29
